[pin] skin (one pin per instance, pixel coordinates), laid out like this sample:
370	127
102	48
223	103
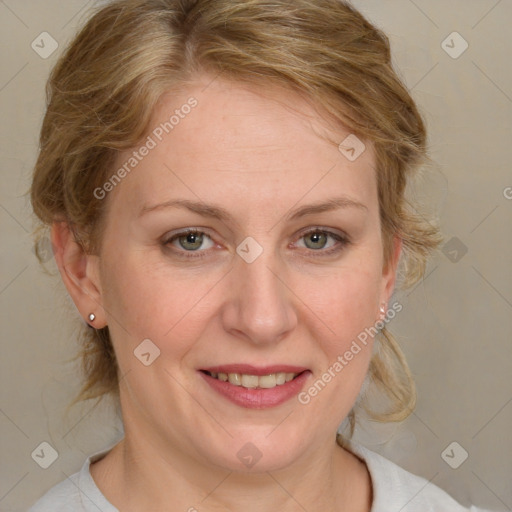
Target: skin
260	155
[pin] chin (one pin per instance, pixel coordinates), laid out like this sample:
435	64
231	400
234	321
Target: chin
258	452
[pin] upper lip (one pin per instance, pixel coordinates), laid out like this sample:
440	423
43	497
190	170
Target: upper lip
248	369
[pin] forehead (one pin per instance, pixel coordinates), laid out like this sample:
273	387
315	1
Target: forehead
233	142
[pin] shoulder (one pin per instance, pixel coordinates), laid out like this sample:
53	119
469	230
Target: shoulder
63	497
395	488
78	493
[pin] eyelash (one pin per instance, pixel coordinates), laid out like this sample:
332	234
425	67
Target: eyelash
343	242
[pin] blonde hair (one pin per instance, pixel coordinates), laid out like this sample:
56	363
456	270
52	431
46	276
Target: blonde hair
102	92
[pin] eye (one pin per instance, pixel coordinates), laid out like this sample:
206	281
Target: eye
323	241
320	241
190	240
316	240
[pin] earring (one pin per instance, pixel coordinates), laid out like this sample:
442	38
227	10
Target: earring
92	316
383	311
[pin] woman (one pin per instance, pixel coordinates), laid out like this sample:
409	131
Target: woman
224	182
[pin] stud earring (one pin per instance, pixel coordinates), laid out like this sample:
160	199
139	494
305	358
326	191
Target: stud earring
92	316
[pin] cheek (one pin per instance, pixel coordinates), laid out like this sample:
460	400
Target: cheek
147	300
346	294
350	309
347	304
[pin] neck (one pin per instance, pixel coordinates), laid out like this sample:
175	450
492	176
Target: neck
143	472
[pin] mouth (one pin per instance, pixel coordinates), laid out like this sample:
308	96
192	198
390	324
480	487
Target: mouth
256	387
249	381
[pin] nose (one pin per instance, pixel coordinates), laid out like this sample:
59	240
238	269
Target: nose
260	306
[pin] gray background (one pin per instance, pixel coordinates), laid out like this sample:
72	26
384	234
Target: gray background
455	326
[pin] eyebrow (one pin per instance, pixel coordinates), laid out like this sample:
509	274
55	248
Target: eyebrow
217	212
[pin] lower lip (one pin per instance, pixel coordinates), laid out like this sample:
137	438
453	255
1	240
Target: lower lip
258	398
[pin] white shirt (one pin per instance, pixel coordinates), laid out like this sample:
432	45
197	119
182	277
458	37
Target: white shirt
394	490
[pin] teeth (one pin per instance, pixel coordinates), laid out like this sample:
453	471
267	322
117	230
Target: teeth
250	381
255	381
235	378
268	381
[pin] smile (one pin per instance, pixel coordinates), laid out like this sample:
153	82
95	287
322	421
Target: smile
256	388
254	381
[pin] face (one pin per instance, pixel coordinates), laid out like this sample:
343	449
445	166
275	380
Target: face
243	242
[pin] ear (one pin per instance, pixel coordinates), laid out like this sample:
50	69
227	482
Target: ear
79	272
390	270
